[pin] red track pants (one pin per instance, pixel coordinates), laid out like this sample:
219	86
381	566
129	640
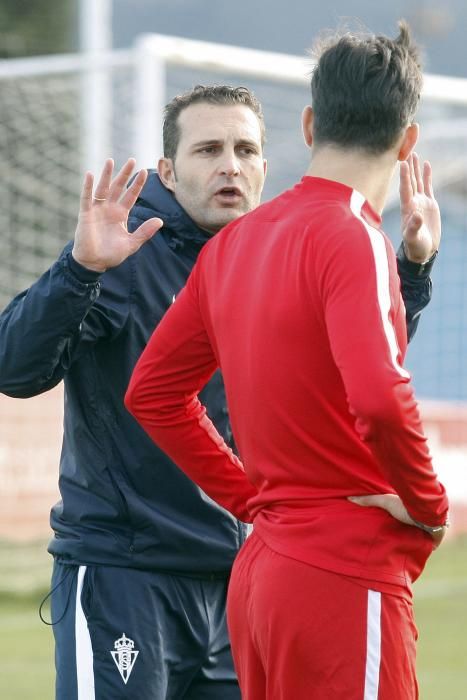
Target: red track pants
302	633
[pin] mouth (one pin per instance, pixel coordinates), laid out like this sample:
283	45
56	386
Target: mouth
228	195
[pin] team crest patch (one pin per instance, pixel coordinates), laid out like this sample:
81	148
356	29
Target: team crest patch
124	656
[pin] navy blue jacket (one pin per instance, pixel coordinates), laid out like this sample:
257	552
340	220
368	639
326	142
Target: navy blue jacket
124	503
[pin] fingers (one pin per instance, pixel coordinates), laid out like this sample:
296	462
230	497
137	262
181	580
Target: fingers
119	182
102	189
420	180
428	179
371	500
144	232
86	193
389	502
413	181
110	191
405	184
132	193
411	175
417	174
414	167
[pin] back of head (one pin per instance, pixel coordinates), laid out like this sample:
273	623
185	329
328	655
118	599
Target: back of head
365	90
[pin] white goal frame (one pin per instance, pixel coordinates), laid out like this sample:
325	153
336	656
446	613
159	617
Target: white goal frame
149	58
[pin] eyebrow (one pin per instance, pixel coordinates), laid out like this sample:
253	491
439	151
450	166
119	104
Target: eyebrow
216	142
208	142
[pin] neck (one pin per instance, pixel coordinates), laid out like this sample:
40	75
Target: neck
370	175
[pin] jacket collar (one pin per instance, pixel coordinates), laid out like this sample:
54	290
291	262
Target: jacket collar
156	200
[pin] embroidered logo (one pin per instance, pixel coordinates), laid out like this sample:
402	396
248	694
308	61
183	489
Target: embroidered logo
124	656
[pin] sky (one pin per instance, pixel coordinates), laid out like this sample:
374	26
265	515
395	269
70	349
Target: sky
290	27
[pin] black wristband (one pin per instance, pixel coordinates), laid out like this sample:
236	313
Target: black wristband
417	269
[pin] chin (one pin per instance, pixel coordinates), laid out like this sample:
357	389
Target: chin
221	222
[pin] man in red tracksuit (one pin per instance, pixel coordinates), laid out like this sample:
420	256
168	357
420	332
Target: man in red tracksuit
299	305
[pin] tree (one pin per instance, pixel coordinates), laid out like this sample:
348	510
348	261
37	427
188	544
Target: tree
34	27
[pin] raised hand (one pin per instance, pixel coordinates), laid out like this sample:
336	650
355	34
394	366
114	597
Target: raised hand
421	219
394	506
102	239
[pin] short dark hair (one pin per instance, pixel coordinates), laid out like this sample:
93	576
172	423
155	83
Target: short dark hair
365	90
211	94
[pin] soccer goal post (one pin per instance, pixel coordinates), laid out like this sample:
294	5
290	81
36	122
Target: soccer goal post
46	143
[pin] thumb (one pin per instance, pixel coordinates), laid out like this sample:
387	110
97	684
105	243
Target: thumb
414	224
144	232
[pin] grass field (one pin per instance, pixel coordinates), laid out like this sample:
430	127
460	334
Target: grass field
26	644
441	615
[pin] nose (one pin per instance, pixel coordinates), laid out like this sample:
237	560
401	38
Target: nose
230	165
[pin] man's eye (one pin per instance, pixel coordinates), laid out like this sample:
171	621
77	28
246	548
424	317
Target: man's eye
208	149
248	151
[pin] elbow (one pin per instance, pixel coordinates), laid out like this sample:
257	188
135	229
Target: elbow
25	389
14	393
142	401
132	398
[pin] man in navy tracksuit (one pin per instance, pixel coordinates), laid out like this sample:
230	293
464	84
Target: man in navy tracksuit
141	555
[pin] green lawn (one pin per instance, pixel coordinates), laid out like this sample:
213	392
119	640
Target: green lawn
441	614
26	644
26	649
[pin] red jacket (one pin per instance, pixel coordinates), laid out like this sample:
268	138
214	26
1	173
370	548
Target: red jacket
299	304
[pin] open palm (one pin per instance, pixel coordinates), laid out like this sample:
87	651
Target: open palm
102	239
421	219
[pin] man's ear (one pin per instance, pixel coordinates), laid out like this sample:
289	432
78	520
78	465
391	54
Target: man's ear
166	170
307	125
409	140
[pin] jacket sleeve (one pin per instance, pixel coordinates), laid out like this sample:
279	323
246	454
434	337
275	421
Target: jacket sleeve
163	397
365	326
416	288
44	328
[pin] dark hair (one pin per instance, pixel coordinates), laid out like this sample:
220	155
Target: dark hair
365	90
212	94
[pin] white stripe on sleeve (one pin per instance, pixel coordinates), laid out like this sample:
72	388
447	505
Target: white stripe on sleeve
378	247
